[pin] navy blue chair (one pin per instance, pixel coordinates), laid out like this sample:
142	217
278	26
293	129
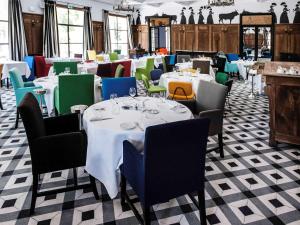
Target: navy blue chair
232	57
155	75
30	61
172	164
119	86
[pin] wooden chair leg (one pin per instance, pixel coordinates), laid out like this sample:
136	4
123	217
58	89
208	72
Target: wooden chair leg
34	193
146	212
17	119
123	189
94	187
220	140
75	177
202	209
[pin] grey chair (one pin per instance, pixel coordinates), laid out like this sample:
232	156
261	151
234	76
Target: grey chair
183	58
203	65
210	103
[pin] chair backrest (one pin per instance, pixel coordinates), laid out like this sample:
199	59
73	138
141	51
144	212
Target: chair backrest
221	61
16	78
113	56
75	90
60	67
210	95
32	118
180	88
203	65
168	145
232	57
149	66
155	74
119	71
30	61
119	86
40	66
183	58
221	78
77	56
145	81
172	59
91	54
104	70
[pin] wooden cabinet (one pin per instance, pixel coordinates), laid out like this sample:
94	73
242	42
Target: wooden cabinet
33	25
183	37
203	39
287	38
98	36
225	38
140	36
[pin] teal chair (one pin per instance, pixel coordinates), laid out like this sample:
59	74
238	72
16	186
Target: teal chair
151	89
60	67
21	88
146	71
113	56
73	90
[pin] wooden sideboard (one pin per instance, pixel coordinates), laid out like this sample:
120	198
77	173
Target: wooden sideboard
284	103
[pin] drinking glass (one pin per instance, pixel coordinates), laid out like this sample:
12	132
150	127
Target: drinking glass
67	70
132	92
113	96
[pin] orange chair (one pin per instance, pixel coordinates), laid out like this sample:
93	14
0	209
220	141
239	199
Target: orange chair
181	91
163	51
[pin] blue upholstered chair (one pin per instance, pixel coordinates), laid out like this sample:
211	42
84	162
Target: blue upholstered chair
155	75
232	57
155	175
30	61
119	86
20	88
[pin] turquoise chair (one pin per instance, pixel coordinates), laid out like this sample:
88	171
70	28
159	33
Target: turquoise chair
60	67
21	88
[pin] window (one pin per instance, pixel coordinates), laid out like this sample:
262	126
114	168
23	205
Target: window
118	27
4	48
70	31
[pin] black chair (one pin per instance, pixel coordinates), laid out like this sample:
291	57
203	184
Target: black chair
171	165
229	87
55	143
221	61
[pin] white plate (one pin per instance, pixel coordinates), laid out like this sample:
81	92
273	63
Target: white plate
181	110
128	126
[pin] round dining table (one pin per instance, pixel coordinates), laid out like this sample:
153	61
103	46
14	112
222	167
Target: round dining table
110	122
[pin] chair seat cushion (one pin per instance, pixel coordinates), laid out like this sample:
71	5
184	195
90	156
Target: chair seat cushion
182	97
155	89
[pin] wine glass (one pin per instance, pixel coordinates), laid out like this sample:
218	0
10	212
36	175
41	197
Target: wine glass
67	70
132	92
113	96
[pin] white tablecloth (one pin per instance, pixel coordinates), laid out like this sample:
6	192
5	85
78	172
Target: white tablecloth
184	77
51	82
21	66
189	65
141	62
59	59
82	68
105	138
241	64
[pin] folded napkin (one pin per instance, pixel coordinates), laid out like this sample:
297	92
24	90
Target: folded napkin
99	118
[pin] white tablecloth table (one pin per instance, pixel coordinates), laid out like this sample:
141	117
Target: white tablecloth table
141	62
195	79
21	66
189	65
61	59
242	64
105	137
51	82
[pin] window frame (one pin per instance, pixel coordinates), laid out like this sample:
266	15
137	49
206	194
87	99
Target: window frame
6	43
68	25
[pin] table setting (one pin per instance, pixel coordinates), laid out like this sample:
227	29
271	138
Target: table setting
110	122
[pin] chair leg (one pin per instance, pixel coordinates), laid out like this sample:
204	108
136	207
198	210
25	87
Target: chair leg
1	106
146	212
220	140
94	187
34	193
123	189
7	82
75	177
202	209
17	119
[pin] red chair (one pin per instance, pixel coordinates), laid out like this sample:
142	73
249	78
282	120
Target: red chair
127	67
41	68
105	70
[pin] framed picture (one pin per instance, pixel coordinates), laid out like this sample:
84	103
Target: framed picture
220	2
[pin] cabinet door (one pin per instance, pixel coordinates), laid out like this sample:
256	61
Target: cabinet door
230	39
216	31
176	37
203	38
189	38
294	33
144	36
281	40
98	36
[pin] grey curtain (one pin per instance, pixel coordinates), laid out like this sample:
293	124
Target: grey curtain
107	40
88	37
16	32
129	33
50	31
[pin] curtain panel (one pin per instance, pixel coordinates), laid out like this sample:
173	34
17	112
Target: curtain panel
107	39
88	34
129	33
16	32
50	30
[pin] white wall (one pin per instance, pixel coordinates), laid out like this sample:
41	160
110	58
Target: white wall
172	8
34	6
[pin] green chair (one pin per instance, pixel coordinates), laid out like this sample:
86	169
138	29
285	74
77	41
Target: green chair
113	56
60	67
221	78
146	71
118	51
21	88
73	90
119	71
151	89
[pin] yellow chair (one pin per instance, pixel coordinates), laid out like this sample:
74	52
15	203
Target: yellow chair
181	90
100	58
91	54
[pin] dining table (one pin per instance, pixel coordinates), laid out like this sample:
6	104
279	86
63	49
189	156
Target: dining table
189	65
109	123
21	66
142	61
243	67
49	84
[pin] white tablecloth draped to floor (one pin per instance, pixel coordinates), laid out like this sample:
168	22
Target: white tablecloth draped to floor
21	66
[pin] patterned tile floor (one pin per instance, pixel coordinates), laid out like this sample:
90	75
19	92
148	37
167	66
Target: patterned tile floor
253	184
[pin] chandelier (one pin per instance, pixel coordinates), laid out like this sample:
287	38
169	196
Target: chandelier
124	6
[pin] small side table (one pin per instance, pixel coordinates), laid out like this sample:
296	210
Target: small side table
79	109
40	93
